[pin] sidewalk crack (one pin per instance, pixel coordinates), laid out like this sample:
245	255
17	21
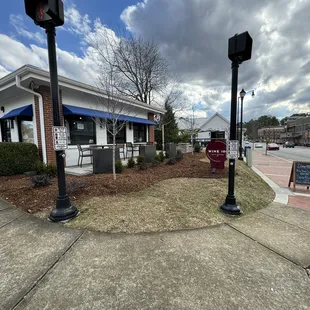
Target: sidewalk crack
265	246
41	278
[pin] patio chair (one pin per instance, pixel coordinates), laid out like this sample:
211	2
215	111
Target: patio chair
121	149
82	154
130	148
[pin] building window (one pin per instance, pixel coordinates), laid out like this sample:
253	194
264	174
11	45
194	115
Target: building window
218	135
121	134
139	133
82	130
26	131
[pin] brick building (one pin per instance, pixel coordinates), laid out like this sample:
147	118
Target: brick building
297	129
273	133
26	114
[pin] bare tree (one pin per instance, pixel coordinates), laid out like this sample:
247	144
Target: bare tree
190	123
117	110
142	70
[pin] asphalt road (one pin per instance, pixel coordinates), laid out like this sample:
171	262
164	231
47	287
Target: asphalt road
298	153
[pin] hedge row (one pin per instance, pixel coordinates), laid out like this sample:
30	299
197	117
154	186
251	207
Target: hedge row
17	157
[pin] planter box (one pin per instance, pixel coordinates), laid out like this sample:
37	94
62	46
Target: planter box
103	160
148	152
171	150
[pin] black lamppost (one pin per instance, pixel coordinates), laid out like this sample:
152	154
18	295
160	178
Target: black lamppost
49	14
242	95
239	50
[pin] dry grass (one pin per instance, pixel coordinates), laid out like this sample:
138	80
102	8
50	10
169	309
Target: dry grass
172	204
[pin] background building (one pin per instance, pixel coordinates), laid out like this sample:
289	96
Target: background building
275	134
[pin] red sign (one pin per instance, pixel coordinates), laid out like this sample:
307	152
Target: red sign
216	152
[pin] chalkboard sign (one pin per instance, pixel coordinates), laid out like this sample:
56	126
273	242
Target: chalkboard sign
300	174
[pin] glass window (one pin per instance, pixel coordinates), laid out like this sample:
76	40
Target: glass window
121	134
218	135
26	128
139	133
82	130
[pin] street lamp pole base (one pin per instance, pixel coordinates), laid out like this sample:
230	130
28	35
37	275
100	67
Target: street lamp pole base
64	211
232	209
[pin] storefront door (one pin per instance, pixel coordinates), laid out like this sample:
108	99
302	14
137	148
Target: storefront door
6	130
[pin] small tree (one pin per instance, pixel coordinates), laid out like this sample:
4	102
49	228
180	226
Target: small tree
170	127
191	126
267	142
108	99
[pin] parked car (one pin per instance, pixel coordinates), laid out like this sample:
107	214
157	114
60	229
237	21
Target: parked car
289	144
273	147
258	145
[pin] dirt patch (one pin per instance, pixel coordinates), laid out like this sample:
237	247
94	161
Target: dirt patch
19	191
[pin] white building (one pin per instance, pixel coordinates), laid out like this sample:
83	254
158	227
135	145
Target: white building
205	129
26	114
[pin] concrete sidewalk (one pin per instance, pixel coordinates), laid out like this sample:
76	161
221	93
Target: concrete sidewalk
276	172
255	262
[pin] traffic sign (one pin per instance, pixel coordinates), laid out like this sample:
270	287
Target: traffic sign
60	141
232	149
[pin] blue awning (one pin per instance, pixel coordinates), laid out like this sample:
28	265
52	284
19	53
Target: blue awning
72	110
23	111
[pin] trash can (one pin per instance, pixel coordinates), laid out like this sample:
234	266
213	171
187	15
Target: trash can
245	149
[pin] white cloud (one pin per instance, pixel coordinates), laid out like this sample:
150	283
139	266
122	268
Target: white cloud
17	22
77	23
193	36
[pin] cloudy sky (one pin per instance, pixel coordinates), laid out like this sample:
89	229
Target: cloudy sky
193	37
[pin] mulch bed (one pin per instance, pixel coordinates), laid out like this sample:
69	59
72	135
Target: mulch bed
19	191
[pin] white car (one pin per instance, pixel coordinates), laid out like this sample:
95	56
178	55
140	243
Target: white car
258	145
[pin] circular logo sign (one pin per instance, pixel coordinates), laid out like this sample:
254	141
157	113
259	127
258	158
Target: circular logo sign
216	151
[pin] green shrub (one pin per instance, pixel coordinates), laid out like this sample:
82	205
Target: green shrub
131	163
171	161
140	160
40	180
179	156
197	148
119	167
17	157
75	186
156	162
49	169
143	166
161	156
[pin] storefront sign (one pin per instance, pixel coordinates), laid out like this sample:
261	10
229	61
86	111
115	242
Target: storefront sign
216	153
60	141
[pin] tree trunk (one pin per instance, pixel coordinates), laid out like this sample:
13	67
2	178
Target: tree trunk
113	147
163	136
192	141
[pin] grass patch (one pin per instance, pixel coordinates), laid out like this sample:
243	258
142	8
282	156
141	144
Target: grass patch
172	204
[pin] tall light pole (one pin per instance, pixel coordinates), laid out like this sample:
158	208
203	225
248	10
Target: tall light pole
239	50
242	95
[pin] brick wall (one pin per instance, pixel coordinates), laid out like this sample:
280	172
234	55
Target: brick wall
48	122
151	128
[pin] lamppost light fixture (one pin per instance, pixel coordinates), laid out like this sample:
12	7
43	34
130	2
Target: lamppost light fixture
242	93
